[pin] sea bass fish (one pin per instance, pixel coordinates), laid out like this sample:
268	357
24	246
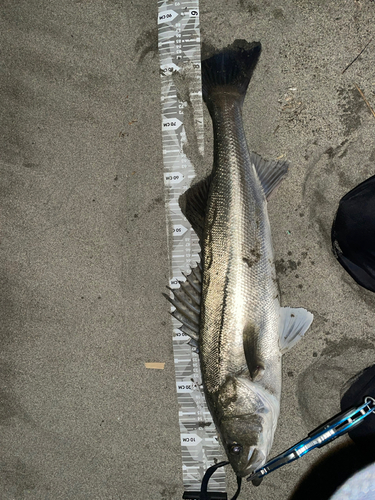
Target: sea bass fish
229	304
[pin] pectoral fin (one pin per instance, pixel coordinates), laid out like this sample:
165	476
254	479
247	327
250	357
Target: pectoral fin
254	361
294	322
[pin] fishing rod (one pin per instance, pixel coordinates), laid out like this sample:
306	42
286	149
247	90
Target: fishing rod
321	436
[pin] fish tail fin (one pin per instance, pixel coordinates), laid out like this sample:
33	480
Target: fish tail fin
230	71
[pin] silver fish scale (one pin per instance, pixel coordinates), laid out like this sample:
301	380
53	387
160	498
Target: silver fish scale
242	331
239	279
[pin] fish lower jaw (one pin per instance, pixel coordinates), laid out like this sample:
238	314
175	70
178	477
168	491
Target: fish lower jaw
255	460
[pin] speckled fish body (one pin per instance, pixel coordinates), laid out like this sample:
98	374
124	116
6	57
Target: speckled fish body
241	330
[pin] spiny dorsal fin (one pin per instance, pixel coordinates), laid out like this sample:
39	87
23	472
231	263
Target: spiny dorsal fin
270	173
294	323
193	204
187	301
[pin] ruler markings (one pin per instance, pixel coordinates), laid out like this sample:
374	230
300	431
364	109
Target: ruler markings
179	50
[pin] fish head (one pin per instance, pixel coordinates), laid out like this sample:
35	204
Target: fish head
247	423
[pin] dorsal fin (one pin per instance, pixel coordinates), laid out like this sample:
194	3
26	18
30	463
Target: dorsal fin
187	301
193	204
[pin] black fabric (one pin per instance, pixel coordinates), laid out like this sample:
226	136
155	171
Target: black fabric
362	385
353	233
195	495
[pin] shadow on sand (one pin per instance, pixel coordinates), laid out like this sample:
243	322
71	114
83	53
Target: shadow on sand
329	473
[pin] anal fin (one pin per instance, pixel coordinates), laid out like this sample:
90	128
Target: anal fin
270	173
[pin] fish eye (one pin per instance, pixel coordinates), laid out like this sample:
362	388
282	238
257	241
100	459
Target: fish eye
235	449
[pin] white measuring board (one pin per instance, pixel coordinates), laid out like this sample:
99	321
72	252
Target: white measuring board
179	51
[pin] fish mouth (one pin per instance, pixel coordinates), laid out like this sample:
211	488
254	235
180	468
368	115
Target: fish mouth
255	460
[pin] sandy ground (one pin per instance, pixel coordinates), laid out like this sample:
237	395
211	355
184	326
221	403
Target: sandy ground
84	247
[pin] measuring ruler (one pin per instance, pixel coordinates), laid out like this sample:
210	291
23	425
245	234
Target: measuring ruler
179	51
